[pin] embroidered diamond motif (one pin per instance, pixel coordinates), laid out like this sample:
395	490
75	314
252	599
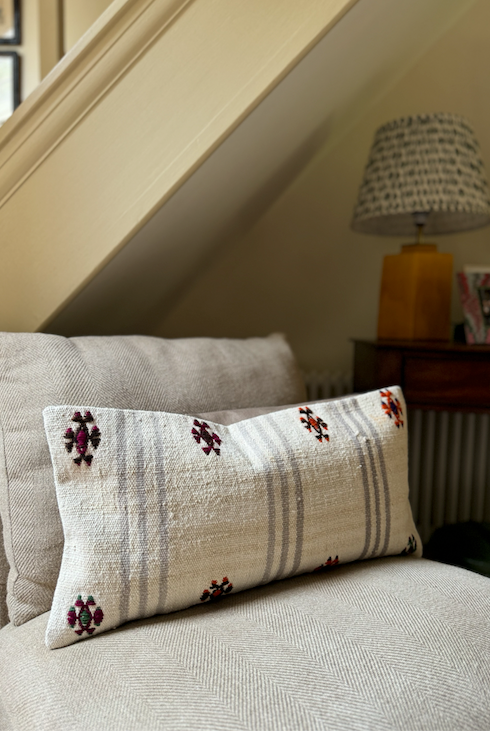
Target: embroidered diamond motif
392	407
83	616
217	591
81	439
328	564
314	424
201	433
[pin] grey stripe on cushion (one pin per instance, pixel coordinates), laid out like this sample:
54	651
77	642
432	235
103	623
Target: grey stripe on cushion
142	521
271	504
161	498
341	420
270	448
386	493
125	567
298	497
374	474
383	645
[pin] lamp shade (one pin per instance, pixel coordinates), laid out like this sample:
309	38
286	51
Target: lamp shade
428	163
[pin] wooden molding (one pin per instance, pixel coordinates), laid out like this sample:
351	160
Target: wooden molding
78	83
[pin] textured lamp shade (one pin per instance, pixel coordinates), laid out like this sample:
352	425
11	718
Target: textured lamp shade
428	163
426	172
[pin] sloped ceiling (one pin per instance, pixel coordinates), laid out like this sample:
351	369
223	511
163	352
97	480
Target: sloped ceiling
362	55
358	60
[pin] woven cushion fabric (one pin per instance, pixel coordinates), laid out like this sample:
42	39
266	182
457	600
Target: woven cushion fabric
134	372
161	511
233	416
383	645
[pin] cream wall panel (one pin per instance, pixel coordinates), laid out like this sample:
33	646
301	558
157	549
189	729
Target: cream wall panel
50	34
78	17
301	269
80	179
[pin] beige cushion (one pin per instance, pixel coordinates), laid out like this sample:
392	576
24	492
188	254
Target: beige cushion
37	370
383	645
161	511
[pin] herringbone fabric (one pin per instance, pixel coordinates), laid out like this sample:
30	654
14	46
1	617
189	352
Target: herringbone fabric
161	511
37	370
383	645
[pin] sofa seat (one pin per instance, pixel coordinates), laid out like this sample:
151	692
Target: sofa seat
394	643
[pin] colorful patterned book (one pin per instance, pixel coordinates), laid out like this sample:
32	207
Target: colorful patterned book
474	291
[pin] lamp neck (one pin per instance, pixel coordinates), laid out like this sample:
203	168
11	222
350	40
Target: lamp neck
419	248
420	219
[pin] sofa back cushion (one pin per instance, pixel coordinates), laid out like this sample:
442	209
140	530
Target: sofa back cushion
128	372
161	511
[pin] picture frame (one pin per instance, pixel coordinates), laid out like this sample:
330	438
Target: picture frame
10	23
9	84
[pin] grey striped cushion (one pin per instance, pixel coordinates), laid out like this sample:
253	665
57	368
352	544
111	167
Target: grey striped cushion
161	511
132	372
384	645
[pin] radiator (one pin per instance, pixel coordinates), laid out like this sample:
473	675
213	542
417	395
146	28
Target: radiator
449	468
327	384
449	459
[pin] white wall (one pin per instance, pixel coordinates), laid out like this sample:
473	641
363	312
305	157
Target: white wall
301	270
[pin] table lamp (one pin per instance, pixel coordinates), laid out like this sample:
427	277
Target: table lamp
424	175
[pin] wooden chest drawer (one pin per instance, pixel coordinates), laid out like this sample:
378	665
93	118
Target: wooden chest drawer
439	375
443	381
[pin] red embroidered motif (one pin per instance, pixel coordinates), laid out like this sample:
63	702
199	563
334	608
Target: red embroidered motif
83	616
392	407
82	438
207	438
314	423
328	564
217	591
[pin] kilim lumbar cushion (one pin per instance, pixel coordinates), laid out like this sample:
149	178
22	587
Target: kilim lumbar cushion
124	372
161	511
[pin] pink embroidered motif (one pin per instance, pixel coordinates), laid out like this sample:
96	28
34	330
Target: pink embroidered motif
209	439
314	423
216	591
82	438
83	616
392	407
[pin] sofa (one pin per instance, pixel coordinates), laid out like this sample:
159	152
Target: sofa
189	543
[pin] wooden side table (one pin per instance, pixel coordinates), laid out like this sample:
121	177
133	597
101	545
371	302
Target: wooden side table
433	375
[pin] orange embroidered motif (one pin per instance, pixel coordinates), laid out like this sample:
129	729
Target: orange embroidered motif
216	591
392	407
314	424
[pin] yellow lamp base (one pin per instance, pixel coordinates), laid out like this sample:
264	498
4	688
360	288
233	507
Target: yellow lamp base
415	299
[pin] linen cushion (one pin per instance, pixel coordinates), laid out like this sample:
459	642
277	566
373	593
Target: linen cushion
134	372
161	511
383	645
